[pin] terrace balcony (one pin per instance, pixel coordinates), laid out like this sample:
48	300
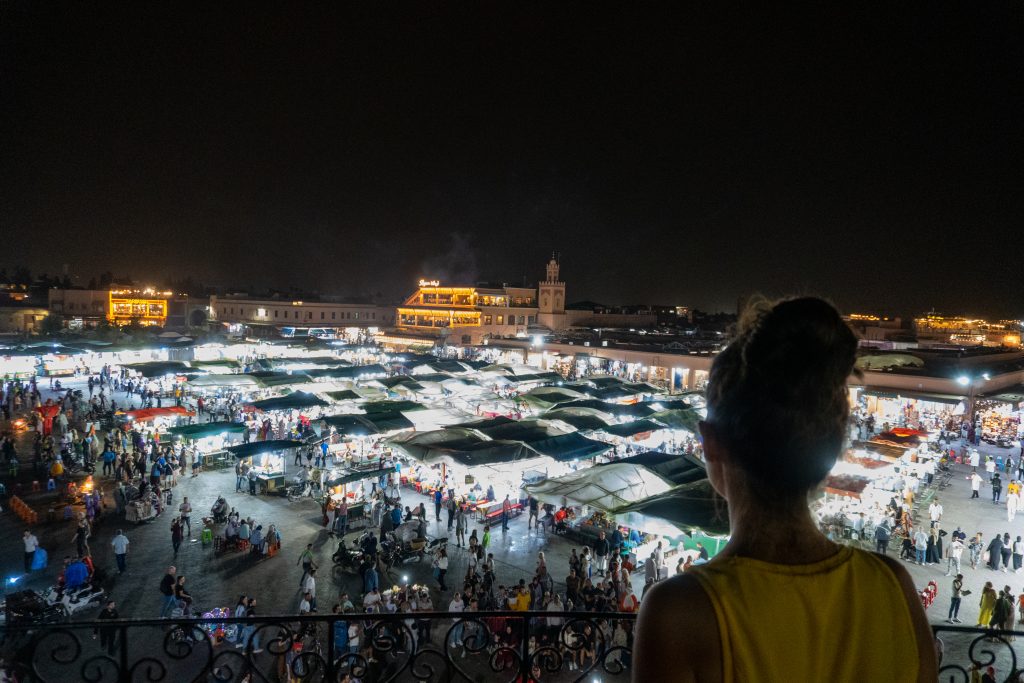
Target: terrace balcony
486	646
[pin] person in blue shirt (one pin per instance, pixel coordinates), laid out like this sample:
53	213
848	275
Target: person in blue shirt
108	461
438	497
396	515
76	574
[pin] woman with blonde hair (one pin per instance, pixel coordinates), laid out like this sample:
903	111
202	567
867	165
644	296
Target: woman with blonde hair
775	604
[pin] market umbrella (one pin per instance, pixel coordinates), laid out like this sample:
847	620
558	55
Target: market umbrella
689	507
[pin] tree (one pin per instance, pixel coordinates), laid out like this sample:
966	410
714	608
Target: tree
51	325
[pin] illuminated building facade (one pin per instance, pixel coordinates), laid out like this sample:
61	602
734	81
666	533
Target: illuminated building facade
142	306
968	331
124	305
468	311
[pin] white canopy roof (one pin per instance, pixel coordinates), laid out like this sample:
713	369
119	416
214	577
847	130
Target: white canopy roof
603	488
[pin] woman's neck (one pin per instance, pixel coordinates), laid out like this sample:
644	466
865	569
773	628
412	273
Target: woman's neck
782	535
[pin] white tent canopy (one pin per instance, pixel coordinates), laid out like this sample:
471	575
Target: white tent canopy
602	488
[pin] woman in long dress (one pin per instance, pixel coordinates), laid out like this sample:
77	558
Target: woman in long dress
995	552
987	605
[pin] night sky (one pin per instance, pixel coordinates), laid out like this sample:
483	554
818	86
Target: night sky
677	158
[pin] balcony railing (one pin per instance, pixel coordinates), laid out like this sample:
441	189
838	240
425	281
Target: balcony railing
479	646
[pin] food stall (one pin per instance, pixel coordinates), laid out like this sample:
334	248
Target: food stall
208	440
354	486
269	459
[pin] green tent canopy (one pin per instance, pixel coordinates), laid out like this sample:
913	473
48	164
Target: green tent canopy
247	450
351	425
391	406
678	419
295	401
627	429
201	431
572	446
688	507
343	395
349	476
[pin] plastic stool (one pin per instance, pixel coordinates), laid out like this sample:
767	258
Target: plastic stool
51	485
206	537
243	545
36	486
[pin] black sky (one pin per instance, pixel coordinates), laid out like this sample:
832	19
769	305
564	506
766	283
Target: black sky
671	157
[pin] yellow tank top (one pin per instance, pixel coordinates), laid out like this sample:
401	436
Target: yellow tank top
842	619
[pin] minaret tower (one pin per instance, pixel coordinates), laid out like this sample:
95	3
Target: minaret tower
551	298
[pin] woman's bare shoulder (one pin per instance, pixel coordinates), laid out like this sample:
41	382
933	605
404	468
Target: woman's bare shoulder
677	617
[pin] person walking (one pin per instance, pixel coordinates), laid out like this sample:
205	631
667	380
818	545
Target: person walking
975	548
460	527
997	488
81	537
107	634
176	534
309	586
921	546
882	539
954	600
120	545
954	554
452	506
601	548
995	552
306	559
185	511
975	484
441	568
534	513
506	512
31	545
167	585
438	497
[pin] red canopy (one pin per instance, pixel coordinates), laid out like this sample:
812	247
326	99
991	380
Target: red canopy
150	413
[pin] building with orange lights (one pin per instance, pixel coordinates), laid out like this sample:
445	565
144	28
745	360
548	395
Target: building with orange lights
472	314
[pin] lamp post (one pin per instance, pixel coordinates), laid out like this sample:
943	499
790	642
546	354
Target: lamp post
972	383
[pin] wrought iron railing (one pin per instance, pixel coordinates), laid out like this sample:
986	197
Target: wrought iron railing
963	649
479	646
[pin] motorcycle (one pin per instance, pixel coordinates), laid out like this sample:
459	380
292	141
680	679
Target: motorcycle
347	559
395	551
73	600
297	491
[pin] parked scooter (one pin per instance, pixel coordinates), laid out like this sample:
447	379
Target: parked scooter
74	600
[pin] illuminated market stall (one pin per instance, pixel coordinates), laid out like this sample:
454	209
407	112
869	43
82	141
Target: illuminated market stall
268	459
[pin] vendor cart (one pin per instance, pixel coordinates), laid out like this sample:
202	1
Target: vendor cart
140	511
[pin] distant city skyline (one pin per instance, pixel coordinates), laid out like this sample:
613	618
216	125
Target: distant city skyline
673	160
